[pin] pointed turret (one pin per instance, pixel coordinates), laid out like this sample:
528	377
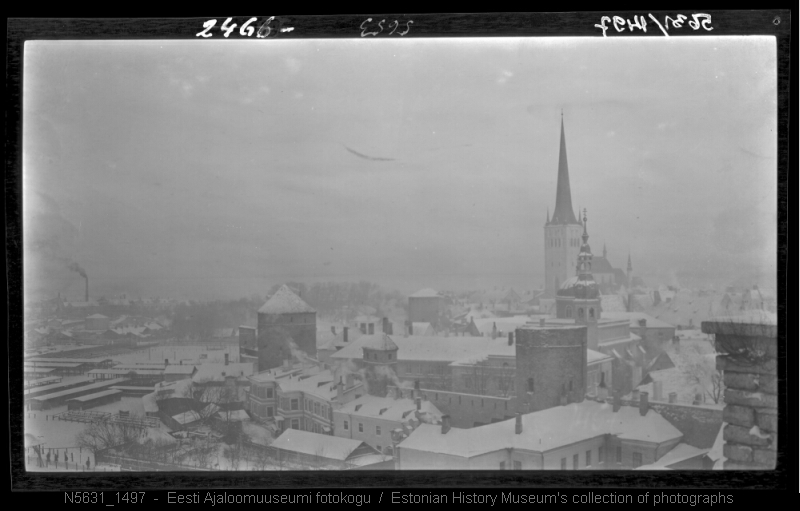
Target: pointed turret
563	213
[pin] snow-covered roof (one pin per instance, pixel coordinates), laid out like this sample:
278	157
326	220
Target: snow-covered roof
96	316
437	349
680	452
593	356
284	301
425	293
545	430
321	385
612	303
635	317
379	342
315	444
233	415
421	328
219	372
505	325
179	369
389	408
716	450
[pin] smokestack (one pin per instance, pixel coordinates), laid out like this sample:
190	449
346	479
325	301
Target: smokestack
643	404
386	325
226	359
87	288
494	330
416	389
617	401
445	424
510	338
518	424
418	401
166	362
344	333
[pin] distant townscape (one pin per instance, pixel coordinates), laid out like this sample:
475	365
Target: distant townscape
595	370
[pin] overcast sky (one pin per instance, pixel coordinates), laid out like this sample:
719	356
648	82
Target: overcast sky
217	168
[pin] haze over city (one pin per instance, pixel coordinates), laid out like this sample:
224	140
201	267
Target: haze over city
217	169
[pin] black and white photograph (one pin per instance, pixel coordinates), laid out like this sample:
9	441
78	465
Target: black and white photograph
400	254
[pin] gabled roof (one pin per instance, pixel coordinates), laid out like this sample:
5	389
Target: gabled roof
284	301
315	444
388	408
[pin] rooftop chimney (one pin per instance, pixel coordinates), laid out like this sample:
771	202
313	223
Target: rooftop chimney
415	394
510	338
339	388
445	424
386	325
643	404
418	401
657	391
494	330
166	361
226	359
410	327
344	333
617	401
371	328
518	424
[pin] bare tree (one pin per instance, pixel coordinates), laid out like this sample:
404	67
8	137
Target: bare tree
99	436
505	380
703	373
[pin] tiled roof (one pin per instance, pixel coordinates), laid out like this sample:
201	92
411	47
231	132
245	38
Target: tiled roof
284	301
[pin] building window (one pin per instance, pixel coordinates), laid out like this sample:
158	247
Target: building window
346	425
530	384
574	462
600	455
570	384
502	465
580	312
316	408
563	463
588	458
378	430
637	459
295	424
517	465
270	393
284	403
619	454
270	412
591	312
295	404
360	427
569	311
390	356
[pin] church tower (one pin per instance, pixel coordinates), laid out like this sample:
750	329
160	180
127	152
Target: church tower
562	231
579	297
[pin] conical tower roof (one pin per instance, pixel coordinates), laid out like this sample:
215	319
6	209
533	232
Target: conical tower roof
284	301
563	212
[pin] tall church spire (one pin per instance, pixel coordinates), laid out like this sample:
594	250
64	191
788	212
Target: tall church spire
563	212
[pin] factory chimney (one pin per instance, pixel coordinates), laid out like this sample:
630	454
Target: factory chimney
87	287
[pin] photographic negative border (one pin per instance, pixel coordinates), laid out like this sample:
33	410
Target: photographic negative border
776	23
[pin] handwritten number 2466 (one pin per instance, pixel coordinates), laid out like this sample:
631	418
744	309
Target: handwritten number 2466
365	30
